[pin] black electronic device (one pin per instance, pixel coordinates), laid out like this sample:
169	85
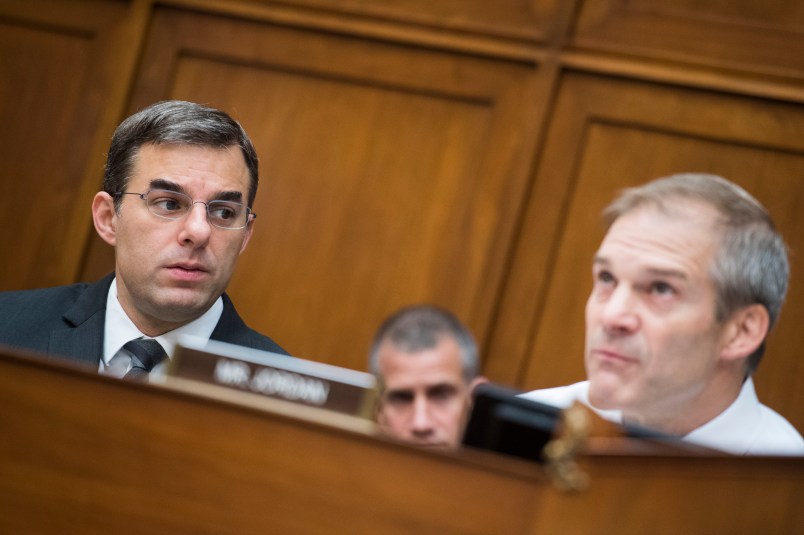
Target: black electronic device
502	422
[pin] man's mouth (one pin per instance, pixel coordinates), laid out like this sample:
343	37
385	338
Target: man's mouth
186	271
613	356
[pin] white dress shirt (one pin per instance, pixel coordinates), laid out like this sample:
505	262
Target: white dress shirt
119	329
746	427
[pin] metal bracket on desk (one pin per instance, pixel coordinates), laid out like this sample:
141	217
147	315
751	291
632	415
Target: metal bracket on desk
561	452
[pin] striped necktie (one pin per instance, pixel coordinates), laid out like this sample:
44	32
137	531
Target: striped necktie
146	353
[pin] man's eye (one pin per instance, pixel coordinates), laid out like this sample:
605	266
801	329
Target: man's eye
662	288
398	398
167	204
223	212
604	277
441	393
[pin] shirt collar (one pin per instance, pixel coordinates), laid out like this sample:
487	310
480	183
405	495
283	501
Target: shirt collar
119	328
726	431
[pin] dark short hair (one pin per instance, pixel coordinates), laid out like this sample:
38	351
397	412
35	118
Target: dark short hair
420	327
751	264
175	122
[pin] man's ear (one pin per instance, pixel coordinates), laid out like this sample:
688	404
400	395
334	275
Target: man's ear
105	217
744	332
477	381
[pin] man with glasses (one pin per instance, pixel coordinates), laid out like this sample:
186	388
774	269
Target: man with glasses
179	184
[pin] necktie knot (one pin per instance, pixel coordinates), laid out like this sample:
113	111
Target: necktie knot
146	353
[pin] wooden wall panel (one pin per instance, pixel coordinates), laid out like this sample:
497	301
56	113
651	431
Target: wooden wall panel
619	133
390	174
530	20
755	36
53	89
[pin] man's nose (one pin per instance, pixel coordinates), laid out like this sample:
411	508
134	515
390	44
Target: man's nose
196	228
422	422
619	312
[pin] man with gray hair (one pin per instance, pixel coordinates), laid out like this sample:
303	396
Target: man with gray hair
688	281
427	365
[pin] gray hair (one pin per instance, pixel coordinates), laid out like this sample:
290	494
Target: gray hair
420	327
751	265
174	122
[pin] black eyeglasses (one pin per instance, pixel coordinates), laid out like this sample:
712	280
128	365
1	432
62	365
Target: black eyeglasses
174	205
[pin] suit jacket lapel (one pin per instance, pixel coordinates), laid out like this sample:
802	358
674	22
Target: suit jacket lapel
84	341
230	327
233	330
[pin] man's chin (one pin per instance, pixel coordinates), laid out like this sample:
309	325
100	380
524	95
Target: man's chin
182	306
606	392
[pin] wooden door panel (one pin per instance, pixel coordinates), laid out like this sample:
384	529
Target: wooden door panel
390	174
531	20
51	102
622	133
757	36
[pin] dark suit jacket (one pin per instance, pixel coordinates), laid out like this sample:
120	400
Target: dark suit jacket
68	322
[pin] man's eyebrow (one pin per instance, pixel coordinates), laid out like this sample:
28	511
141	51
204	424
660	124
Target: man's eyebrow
441	386
402	393
234	196
668	273
161	183
398	390
228	195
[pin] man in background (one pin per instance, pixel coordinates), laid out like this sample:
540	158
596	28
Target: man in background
688	281
178	190
427	365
